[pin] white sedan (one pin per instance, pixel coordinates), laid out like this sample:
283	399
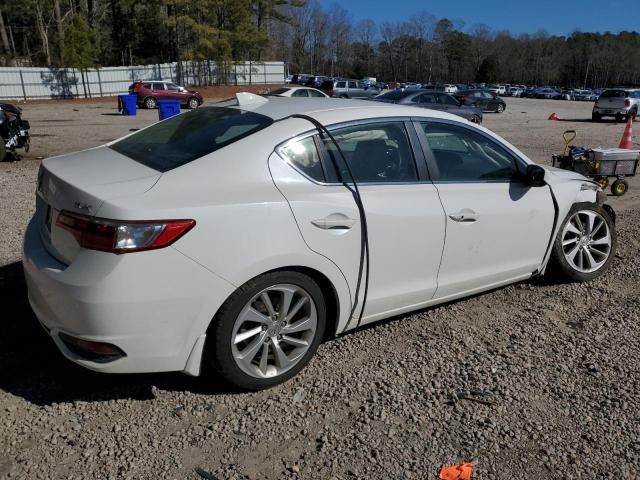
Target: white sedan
242	235
298	92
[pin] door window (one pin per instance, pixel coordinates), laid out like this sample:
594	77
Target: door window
173	87
341	85
304	156
301	92
424	98
158	86
447	100
353	85
375	152
462	155
315	93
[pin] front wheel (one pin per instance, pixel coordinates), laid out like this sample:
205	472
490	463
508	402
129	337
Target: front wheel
585	243
500	108
193	103
475	119
267	331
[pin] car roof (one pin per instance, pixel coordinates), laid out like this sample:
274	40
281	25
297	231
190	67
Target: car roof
336	110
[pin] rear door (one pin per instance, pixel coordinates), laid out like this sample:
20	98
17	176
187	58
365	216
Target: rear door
497	228
404	216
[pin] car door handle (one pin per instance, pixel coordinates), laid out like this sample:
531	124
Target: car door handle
336	221
464	216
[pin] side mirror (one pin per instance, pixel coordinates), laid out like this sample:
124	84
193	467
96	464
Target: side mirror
534	176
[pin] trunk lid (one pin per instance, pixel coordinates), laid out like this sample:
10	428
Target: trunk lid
612	99
81	182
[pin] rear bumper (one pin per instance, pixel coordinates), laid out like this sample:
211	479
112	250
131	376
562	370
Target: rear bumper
152	305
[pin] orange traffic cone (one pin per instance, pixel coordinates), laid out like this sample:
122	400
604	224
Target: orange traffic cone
625	141
553	116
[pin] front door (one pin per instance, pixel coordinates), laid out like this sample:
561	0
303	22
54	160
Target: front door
498	228
404	216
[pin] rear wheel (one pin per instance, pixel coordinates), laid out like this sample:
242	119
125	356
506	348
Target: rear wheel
585	243
268	330
619	187
500	108
343	96
150	103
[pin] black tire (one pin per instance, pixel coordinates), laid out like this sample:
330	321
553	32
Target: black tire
619	187
3	151
475	119
500	108
218	349
558	263
619	117
595	117
193	103
344	96
150	103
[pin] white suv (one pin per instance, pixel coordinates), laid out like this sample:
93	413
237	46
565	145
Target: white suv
617	102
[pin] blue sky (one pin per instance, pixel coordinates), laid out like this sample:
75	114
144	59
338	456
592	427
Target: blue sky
559	17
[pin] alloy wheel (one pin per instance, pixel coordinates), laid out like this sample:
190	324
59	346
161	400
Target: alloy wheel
586	241
274	331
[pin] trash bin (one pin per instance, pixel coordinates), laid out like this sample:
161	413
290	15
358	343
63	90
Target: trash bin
128	104
168	108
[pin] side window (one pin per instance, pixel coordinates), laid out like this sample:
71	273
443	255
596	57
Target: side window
146	86
157	86
448	100
173	87
300	92
315	93
466	156
304	156
353	85
341	85
375	152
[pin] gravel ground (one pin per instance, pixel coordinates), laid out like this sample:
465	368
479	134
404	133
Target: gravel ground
537	380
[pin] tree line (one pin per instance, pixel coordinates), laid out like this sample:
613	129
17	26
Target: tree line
311	37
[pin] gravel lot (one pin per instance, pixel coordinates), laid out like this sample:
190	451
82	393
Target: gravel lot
537	380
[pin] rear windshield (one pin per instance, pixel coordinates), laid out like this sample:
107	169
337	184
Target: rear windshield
395	95
184	138
279	91
614	94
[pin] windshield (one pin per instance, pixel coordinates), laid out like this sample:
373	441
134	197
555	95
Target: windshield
184	138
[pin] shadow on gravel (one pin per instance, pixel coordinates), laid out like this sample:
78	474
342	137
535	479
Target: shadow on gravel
34	369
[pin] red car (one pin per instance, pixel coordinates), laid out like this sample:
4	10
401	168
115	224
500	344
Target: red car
151	91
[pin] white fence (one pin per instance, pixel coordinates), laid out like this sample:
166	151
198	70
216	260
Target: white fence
34	82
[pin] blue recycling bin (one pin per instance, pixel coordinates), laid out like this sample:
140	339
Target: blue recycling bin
168	108
128	104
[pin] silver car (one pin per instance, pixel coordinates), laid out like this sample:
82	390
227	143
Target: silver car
617	102
352	89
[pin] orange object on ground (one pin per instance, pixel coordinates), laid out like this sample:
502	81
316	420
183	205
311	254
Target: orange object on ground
553	116
457	472
625	141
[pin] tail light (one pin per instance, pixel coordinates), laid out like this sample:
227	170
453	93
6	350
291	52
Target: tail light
333	91
627	102
122	236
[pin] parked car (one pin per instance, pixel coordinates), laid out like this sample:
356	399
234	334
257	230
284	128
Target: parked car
288	79
150	92
300	92
547	93
352	89
617	102
450	88
433	100
176	245
484	99
514	91
584	95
